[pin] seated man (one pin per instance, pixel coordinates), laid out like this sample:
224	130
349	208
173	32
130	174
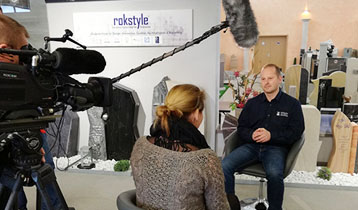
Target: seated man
269	124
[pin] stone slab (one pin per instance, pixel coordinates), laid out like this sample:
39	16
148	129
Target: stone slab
307	158
97	136
342	136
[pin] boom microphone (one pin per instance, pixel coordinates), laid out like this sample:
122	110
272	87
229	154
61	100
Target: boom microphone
242	22
71	61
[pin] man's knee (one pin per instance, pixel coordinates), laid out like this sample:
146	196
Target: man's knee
274	174
227	168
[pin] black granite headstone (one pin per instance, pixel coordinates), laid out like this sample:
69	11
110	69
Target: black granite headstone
336	64
64	141
303	86
328	96
314	67
125	123
351	110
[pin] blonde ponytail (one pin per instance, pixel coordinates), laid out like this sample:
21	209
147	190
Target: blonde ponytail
180	102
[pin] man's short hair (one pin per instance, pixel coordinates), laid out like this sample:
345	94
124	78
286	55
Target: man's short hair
11	31
278	69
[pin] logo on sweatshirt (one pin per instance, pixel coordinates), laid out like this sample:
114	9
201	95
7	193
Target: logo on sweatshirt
282	114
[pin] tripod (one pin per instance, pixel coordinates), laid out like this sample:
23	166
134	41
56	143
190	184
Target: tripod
43	177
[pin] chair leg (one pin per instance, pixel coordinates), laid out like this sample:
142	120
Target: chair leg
261	203
261	191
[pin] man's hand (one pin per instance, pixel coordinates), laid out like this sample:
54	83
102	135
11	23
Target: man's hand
42	151
261	135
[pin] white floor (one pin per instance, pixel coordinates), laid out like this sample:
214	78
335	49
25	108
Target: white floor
88	191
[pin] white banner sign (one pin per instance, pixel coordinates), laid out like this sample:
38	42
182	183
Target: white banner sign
133	28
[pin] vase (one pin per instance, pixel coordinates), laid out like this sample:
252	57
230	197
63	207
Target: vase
238	112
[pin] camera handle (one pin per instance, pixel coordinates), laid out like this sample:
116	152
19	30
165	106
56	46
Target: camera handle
64	38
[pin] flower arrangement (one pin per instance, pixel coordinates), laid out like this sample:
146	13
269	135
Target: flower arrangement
242	88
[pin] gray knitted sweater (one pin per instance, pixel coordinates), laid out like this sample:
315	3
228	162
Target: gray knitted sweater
167	179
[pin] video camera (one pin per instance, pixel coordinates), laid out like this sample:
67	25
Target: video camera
34	90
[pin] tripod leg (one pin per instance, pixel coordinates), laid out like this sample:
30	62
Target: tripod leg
38	200
42	191
2	187
13	196
4	195
46	177
60	195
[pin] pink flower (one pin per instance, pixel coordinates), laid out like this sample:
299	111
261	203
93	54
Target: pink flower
248	91
242	90
240	105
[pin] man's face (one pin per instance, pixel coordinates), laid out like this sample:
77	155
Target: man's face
7	58
270	82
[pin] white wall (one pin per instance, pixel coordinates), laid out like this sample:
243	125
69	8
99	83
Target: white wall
197	65
34	21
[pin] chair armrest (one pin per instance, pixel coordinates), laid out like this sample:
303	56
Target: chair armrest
293	154
127	200
233	141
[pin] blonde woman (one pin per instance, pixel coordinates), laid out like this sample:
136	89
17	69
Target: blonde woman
174	167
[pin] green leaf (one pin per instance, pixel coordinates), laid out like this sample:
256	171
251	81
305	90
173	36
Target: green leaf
233	106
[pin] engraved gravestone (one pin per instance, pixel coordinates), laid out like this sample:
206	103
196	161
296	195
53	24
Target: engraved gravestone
97	137
342	137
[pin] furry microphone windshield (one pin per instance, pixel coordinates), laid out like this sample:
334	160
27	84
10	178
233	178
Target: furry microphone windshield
242	22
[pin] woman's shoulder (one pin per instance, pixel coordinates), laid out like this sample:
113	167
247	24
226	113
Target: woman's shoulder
206	158
211	156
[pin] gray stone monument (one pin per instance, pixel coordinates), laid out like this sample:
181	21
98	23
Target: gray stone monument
351	85
62	135
97	137
347	52
160	91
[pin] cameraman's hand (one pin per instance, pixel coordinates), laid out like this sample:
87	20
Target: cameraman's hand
43	155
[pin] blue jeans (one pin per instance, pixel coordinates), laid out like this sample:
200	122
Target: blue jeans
273	159
7	179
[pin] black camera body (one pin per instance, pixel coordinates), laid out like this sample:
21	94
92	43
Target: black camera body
33	92
22	90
